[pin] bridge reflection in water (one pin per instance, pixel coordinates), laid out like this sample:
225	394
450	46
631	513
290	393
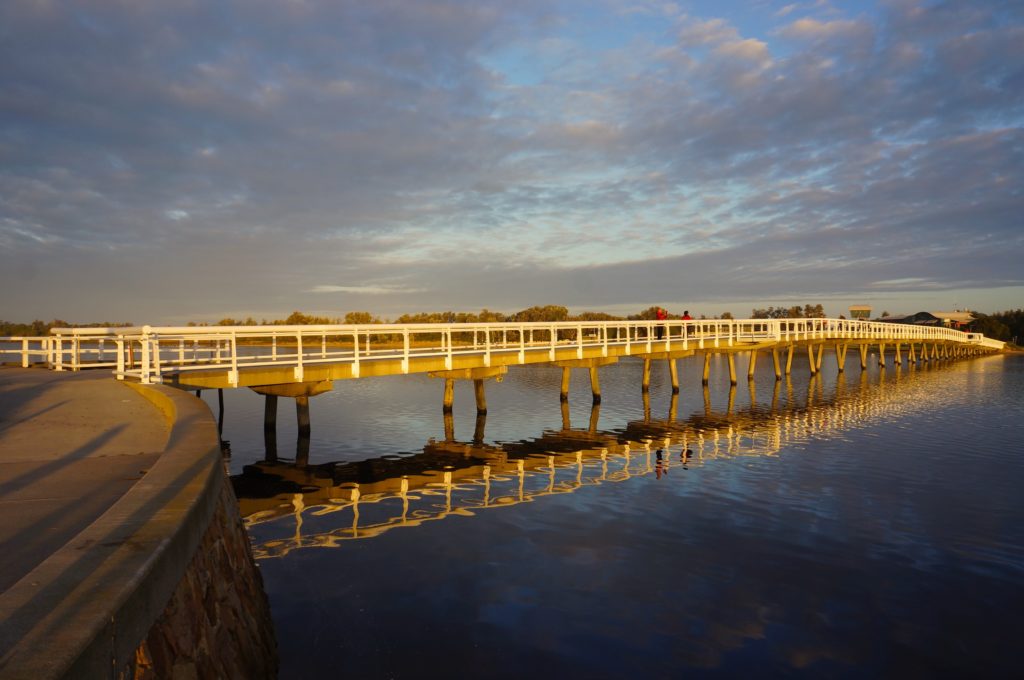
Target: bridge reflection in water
297	505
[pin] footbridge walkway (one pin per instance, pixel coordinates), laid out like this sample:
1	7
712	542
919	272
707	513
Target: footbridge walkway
301	361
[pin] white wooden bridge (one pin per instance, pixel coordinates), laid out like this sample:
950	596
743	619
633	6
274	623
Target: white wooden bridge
308	358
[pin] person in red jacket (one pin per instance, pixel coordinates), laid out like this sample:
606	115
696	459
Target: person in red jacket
662	315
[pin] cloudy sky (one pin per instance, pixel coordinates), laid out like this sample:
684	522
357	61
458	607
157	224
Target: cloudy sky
193	159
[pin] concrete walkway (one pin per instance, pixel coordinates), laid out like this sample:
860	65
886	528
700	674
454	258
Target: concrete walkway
71	444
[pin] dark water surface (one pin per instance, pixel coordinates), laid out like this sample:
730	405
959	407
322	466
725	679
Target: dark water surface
860	526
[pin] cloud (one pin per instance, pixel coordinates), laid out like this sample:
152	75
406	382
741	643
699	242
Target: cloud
613	157
365	290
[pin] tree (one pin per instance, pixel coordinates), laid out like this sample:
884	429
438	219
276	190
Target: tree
651	313
727	315
546	313
359	318
991	327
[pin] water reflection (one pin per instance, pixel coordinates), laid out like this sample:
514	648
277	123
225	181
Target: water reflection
353	500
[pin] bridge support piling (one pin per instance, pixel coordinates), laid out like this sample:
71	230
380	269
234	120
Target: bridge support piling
481	397
732	369
449	394
841	357
811	363
775	364
270	413
911	356
897	359
863	357
302	442
752	364
595	385
478	429
595	415
706	376
645	382
789	358
821	353
449	426
564	394
673	371
881	354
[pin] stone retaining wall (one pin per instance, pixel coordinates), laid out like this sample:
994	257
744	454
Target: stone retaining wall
217	624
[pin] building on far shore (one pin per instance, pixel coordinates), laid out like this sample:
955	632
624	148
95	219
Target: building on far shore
960	320
860	312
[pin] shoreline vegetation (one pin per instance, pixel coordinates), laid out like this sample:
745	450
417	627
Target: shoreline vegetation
1007	326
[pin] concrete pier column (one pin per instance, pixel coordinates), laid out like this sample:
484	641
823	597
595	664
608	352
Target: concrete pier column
449	394
732	400
841	357
752	364
706	376
897	358
645	382
776	365
863	357
821	353
647	406
478	429
595	385
673	408
270	413
881	354
595	415
732	369
911	356
673	371
302	445
563	395
270	428
789	358
566	422
302	414
449	426
481	397
811	364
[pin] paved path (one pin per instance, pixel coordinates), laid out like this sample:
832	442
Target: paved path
71	444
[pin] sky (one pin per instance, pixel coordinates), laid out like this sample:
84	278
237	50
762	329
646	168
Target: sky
188	160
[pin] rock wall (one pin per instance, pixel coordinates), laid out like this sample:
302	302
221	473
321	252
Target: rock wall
217	623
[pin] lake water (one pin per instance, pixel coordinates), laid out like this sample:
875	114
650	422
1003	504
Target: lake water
870	524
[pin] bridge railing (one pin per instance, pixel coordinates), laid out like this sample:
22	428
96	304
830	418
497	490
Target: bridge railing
146	353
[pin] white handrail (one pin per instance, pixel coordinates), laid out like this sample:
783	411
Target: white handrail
84	347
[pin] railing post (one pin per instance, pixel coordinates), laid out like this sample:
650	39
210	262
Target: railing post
522	345
24	352
579	341
233	373
144	362
355	354
405	351
156	358
298	356
120	357
448	356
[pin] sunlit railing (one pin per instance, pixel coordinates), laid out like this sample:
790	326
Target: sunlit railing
149	353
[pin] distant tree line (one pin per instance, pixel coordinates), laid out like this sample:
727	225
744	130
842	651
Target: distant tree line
808	311
38	327
1001	325
1007	326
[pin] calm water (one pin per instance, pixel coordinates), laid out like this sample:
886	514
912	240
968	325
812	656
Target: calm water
858	526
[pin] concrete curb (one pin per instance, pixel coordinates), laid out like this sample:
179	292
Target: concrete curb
84	611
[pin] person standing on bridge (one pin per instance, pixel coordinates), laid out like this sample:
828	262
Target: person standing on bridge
662	315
